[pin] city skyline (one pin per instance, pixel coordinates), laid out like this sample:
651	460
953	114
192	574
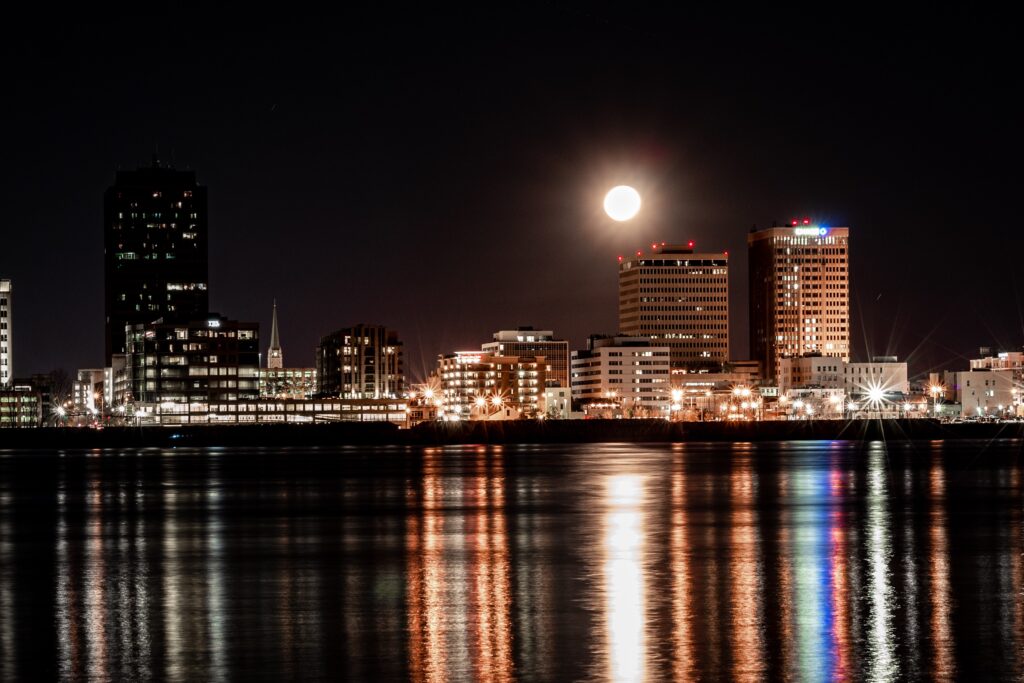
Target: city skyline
327	199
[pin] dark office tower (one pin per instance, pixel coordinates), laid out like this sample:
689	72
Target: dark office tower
155	253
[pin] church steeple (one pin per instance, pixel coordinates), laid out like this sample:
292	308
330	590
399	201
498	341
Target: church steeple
275	359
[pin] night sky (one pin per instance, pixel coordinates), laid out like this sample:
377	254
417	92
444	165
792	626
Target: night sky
443	174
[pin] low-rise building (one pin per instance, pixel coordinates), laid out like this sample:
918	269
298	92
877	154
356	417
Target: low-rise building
259	411
363	361
194	363
88	393
631	370
992	393
883	374
526	341
477	385
557	404
20	405
287	382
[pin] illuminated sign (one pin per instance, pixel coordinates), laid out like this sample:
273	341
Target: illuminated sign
810	232
213	323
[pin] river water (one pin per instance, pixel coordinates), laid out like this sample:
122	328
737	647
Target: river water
801	561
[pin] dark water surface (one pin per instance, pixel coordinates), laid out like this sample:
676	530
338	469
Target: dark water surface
802	561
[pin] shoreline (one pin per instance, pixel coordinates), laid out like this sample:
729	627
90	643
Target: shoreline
512	432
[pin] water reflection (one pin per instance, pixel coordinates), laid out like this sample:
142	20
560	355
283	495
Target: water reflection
837	561
425	576
684	665
811	585
623	547
8	660
491	606
882	661
746	573
938	566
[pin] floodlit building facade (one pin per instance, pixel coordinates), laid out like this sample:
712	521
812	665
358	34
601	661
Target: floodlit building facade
363	361
678	298
883	374
526	341
799	293
155	250
6	333
632	371
984	393
89	391
557	404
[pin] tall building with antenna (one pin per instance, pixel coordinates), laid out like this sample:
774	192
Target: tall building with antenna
799	293
155	257
680	298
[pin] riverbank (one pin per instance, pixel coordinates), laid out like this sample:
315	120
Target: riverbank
552	431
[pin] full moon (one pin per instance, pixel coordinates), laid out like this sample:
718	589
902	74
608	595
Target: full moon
622	203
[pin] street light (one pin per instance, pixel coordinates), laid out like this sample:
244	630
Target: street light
677	398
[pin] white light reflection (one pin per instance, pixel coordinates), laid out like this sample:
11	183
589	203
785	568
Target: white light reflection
881	646
67	600
683	664
623	571
95	583
173	608
7	653
944	666
745	573
910	586
216	611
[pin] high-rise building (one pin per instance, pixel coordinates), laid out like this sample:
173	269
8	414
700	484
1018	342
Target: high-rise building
526	341
364	361
680	299
799	293
6	333
155	250
275	357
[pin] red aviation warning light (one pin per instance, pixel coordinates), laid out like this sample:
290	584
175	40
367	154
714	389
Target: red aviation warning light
690	244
